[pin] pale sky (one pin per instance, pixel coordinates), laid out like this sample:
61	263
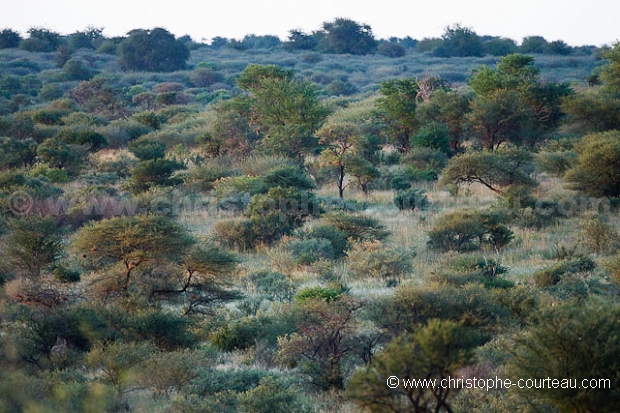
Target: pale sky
577	22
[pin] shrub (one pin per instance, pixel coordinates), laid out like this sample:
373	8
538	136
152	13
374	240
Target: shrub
147	149
279	212
358	227
274	285
149	173
288	177
328	294
468	230
310	250
376	260
336	237
389	49
235	233
553	275
411	199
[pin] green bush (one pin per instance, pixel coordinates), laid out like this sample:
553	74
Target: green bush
336	237
310	250
235	233
331	293
358	227
554	274
376	260
411	199
150	173
467	230
274	285
147	149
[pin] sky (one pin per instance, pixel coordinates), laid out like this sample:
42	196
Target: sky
577	22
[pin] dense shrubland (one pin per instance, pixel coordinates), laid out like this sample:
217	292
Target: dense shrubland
265	225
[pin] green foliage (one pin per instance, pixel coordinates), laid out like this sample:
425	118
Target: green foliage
279	212
597	172
151	173
131	241
460	41
286	110
398	103
389	49
336	237
41	40
235	233
153	50
559	344
412	306
34	243
411	199
16	153
379	261
147	149
9	39
274	285
347	36
498	170
310	250
468	230
327	294
358	227
436	351
554	274
288	177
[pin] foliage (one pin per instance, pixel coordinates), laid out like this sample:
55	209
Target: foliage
153	50
554	274
279	212
434	352
274	285
596	171
498	171
323	341
131	241
378	261
467	230
41	40
34	243
336	238
347	36
398	103
411	199
147	149
460	41
358	227
151	173
542	351
286	110
310	250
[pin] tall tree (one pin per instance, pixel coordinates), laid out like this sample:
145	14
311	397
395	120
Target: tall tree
285	110
345	36
153	50
132	241
398	102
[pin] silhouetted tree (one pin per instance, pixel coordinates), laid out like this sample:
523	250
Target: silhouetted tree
153	50
347	36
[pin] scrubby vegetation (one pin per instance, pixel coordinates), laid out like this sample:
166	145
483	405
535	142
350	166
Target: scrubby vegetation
261	225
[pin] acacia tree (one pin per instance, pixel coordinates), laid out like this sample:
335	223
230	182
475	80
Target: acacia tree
34	243
597	171
398	104
324	339
339	141
344	36
513	104
436	351
132	241
284	110
499	171
153	50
